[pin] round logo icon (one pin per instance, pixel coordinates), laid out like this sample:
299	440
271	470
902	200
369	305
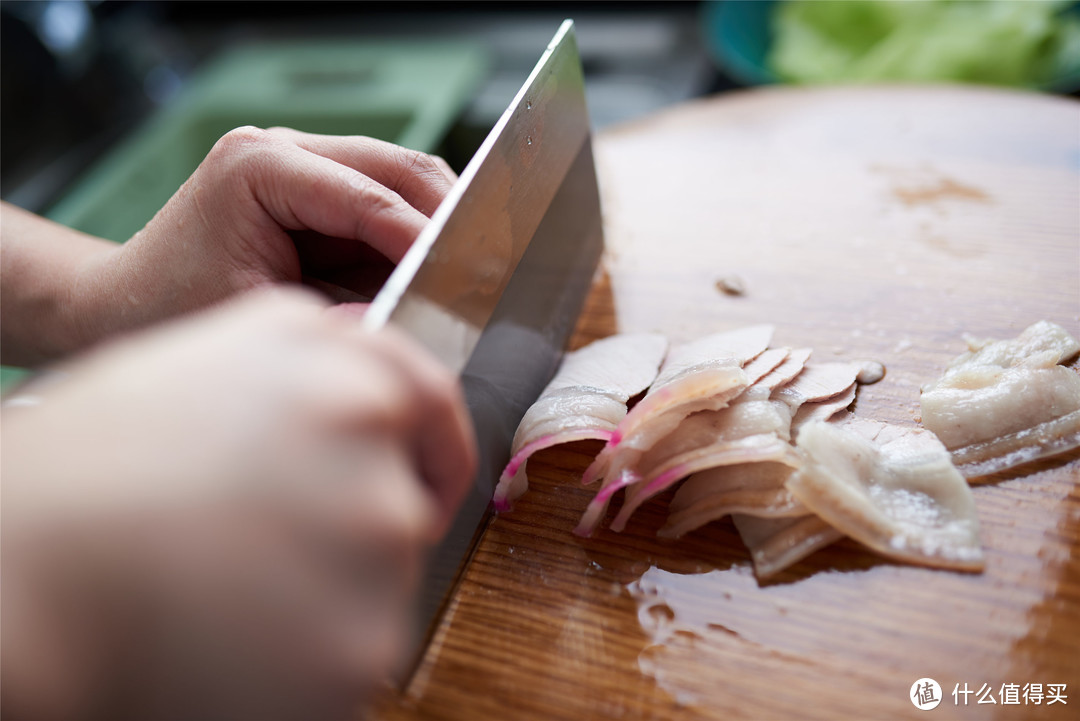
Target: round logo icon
925	694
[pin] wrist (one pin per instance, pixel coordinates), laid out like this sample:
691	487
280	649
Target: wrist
53	277
92	304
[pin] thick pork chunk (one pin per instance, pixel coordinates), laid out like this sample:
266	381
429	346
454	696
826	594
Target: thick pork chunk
1004	403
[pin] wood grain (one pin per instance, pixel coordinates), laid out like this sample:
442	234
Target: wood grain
867	223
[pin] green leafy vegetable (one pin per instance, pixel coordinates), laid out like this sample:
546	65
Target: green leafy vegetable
1032	43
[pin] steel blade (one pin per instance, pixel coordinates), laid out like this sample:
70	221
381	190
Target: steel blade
494	284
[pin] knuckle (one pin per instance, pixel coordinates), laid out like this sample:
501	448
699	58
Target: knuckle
243	136
374	201
419	163
376	197
240	142
287	134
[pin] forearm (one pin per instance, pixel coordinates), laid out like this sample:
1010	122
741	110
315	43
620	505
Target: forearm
51	277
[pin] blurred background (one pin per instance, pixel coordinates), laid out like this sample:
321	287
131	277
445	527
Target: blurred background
81	79
144	88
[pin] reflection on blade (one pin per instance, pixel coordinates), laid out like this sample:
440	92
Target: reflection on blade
446	288
516	356
495	283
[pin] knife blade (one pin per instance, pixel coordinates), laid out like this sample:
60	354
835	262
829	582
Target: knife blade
495	282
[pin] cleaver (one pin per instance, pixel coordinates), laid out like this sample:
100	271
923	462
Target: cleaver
495	282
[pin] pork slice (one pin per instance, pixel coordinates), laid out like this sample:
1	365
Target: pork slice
741	433
762	387
1048	438
704	374
585	400
822	410
892	488
755	489
817	383
764	364
776	543
736	347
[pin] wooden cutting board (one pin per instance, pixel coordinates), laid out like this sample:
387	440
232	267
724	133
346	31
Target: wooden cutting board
867	223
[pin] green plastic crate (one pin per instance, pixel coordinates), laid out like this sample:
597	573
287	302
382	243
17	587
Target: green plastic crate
409	93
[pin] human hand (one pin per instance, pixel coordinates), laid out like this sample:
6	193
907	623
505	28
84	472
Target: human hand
264	207
224	517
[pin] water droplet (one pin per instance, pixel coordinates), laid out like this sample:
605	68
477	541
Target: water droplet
528	105
528	140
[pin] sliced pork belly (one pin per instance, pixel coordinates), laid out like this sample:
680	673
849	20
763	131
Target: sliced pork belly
776	543
818	383
749	432
1049	438
698	376
758	489
1040	345
763	387
753	429
1004	403
890	487
761	366
755	489
585	400
1012	400
822	410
